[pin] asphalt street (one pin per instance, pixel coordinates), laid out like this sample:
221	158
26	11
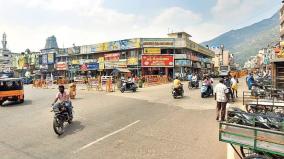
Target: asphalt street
149	124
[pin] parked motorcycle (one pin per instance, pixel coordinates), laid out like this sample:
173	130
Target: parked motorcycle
206	91
271	120
178	92
128	86
61	116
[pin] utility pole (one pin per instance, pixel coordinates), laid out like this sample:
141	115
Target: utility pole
222	52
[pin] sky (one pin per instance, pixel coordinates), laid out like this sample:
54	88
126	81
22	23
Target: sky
28	23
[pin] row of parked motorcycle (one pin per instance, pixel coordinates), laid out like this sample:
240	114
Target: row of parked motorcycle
269	120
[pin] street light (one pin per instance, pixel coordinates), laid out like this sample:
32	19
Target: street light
222	51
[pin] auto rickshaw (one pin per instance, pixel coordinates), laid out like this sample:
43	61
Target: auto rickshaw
11	89
72	90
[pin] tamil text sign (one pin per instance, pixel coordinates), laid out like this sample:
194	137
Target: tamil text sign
157	61
158	42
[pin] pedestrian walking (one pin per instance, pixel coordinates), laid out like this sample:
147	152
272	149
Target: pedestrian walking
249	81
234	82
228	83
221	98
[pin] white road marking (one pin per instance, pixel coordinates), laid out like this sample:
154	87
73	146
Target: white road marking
106	136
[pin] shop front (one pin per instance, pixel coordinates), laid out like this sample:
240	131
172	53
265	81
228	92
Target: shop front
157	65
62	69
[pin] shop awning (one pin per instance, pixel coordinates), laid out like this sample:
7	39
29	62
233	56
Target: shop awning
196	65
120	70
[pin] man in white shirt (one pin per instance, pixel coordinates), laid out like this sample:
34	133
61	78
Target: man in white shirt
220	96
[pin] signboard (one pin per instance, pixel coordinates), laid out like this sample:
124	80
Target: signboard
180	56
157	61
112	57
61	66
84	67
183	63
75	62
152	50
50	58
132	61
158	42
101	66
115	64
93	66
101	59
112	46
44	59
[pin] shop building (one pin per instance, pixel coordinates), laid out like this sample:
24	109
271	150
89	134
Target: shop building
170	56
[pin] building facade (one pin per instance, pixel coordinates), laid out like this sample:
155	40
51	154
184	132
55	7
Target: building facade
171	56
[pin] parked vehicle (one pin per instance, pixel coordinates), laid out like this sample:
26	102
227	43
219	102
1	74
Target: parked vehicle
178	92
11	89
128	86
61	116
206	91
224	71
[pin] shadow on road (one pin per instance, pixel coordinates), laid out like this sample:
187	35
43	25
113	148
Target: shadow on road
73	128
16	104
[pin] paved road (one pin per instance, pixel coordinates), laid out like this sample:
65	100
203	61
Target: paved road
149	124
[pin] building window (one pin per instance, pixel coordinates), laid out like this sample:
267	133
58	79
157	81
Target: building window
179	35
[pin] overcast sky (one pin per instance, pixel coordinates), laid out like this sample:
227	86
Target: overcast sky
29	22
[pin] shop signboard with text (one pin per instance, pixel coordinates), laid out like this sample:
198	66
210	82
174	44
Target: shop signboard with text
157	61
158	42
186	63
115	64
112	57
61	66
93	66
132	61
152	50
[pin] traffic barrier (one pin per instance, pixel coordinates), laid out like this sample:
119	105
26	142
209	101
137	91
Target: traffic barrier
151	80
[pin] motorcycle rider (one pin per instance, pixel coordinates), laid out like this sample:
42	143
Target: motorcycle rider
177	84
64	99
194	80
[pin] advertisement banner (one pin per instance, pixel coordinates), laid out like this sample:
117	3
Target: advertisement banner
101	66
132	61
112	57
158	42
44	59
152	50
115	64
115	45
61	66
93	66
50	58
157	61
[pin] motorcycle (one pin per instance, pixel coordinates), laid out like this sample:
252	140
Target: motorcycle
61	115
128	86
267	121
195	84
206	91
178	92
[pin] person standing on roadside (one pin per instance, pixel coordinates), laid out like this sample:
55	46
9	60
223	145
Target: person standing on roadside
234	82
221	98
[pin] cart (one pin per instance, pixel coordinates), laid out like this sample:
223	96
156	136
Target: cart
254	143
